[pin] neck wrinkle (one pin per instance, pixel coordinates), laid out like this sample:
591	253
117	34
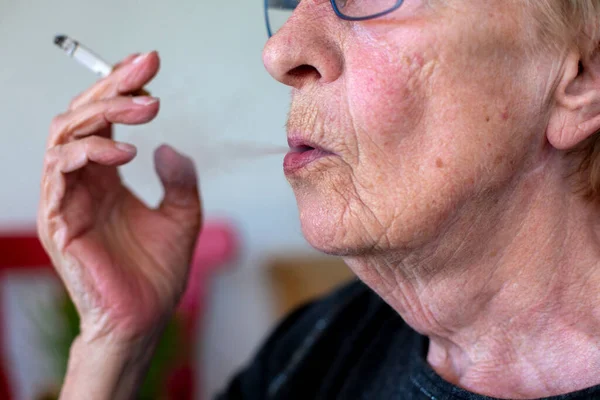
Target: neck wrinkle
513	307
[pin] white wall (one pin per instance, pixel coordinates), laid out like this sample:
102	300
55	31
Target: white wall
214	91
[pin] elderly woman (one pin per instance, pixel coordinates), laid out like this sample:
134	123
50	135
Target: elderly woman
448	150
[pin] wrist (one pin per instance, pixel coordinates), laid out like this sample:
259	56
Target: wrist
107	368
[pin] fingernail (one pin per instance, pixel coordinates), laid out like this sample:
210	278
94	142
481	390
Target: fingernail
140	58
144	100
126	147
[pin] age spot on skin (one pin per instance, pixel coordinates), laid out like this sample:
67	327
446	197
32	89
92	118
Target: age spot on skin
439	163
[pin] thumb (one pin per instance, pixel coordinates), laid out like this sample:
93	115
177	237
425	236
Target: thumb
177	173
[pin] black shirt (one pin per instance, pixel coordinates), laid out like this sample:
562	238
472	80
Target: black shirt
349	345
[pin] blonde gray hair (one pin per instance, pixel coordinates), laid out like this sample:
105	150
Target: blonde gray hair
564	23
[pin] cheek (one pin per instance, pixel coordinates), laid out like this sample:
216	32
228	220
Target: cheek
428	139
386	96
386	99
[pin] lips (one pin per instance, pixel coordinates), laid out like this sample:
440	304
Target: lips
301	154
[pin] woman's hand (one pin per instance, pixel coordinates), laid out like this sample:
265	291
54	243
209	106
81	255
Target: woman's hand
125	265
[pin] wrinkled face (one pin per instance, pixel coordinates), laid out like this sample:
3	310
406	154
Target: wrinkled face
420	118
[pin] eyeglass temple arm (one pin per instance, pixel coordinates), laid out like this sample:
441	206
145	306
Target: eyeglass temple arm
283	4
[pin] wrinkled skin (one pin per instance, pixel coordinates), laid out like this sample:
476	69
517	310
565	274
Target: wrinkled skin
407	104
449	192
125	265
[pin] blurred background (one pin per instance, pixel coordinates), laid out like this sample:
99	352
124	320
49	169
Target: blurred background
218	105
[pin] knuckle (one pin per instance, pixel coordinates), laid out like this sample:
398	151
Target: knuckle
74	103
85	145
57	123
92	142
52	157
105	88
96	92
41	229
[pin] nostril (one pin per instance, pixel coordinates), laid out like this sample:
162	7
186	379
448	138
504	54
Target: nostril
303	71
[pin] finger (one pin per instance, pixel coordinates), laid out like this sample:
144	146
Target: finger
75	155
125	61
129	77
92	118
181	201
65	159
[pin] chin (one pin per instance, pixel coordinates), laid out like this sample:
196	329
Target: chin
323	236
326	224
335	222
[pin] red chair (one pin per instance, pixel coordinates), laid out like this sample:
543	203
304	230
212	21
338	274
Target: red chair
18	252
217	245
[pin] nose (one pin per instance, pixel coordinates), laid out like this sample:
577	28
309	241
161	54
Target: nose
304	50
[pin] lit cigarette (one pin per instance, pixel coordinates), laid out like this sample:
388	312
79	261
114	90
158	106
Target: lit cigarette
87	58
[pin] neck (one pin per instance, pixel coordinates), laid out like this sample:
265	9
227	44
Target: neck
511	299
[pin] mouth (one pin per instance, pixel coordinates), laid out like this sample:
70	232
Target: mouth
301	154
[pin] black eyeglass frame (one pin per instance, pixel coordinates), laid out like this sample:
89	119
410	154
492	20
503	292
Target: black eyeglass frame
335	9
